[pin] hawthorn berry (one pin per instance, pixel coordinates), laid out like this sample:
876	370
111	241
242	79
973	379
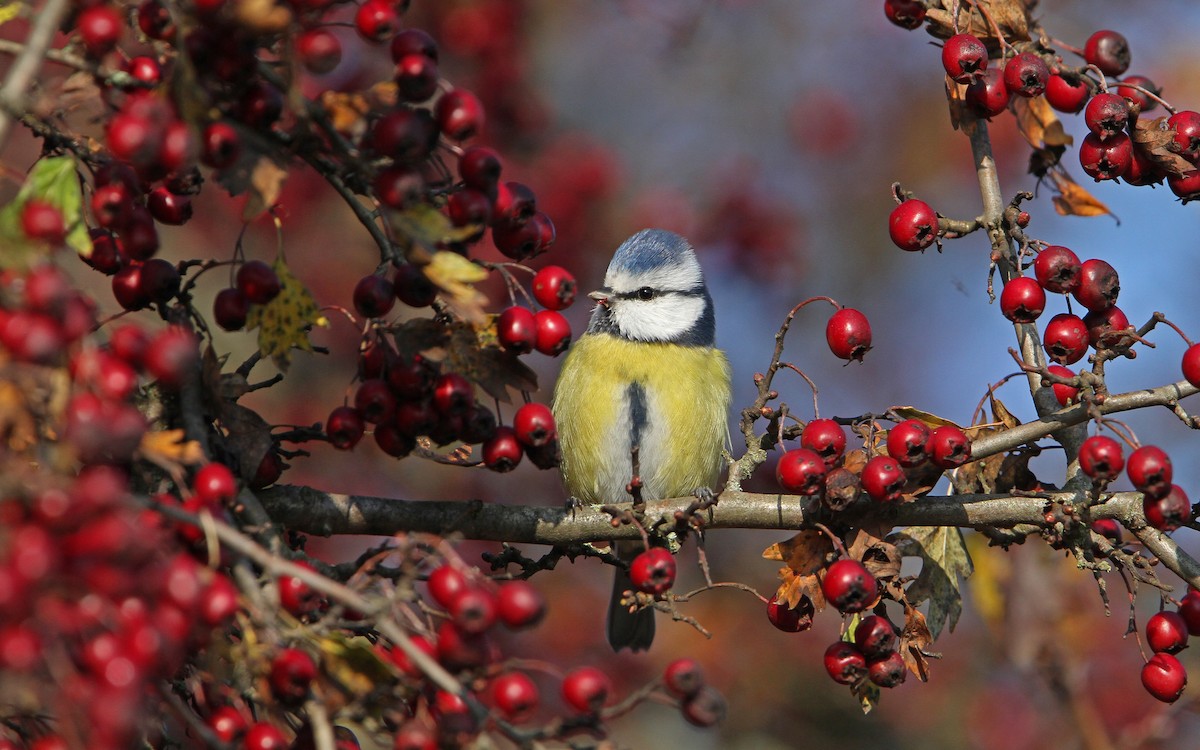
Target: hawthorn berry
406	135
446	583
791	619
653	571
375	401
1189	609
42	222
519	605
344	427
883	479
1022	300
100	27
319	50
516	329
848	586
1166	632
376	20
515	695
1185	124
413	287
1106	327
586	689
913	225
706	708
1065	339
502	452
1025	75
907	14
826	438
1185	186
413	41
801	472
230	309
258	281
1108	528
1190	365
1101	458
474	610
415	735
264	736
220	145
683	677
296	596
469	207
534	425
374	296
948	447
554	288
292	674
1139	95
845	663
553	332
1106	159
906	442
1099	285
459	114
1067	92
453	394
1168	512
848	334
215	484
227	723
964	57
887	672
987	96
172	356
1150	470
480	167
416	77
1164	677
875	637
1107	50
169	208
1057	269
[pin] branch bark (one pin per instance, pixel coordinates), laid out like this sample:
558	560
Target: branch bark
25	68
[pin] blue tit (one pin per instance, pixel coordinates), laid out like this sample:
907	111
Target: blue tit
645	374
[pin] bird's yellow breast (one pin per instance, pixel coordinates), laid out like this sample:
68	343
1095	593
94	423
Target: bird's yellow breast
681	423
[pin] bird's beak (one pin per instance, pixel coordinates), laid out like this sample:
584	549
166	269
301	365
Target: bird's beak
601	297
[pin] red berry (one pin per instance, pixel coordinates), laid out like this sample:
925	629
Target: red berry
1064	394
1109	528
906	442
1191	365
519	605
1134	95
554	288
1099	285
907	14
1164	677
344	427
375	401
1166	632
479	167
230	309
948	447
292	674
653	571
154	20
416	77
220	145
1101	458
258	281
469	207
1168	512
264	736
515	695
1106	327
826	438
791	619
913	225
406	135
1189	609
319	50
1022	300
987	96
503	451
453	394
413	42
586	689
296	596
1150	470
215	484
1067	92
415	735
1026	74
1185	186
516	329
964	57
1106	159
227	723
42	222
845	663
887	672
100	27
376	20
848	334
413	287
374	296
474	610
446	583
683	677
459	114
883	479
1057	269
553	332
534	425
849	586
1108	51
172	356
801	472
1065	338
514	205
875	637
1186	142
706	708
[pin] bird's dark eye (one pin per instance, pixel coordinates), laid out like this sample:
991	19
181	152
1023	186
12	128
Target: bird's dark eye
645	293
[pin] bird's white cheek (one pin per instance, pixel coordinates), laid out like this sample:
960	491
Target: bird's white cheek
662	319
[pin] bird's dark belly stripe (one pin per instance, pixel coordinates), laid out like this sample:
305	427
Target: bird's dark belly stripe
638	413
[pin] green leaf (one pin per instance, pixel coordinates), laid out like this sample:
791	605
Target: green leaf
284	322
945	561
54	180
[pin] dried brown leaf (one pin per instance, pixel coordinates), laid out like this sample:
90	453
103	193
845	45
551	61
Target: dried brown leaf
170	447
347	112
1038	122
930	419
804	553
262	16
1010	16
266	183
879	557
962	117
915	639
1155	138
795	587
1001	413
1074	200
492	368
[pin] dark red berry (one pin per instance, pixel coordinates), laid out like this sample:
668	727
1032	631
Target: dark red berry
801	472
413	287
42	222
1106	159
964	57
1106	115
416	77
516	329
459	114
1067	92
907	14
826	438
374	296
706	708
653	571
1022	300
375	401
553	332
220	145
503	451
913	225
172	356
683	677
258	281
319	50
480	167
1166	632
1139	95
875	637
987	96
1168	512
845	663
948	447
292	675
413	42
474	610
883	479
1150	470
791	619
1189	609
848	586
1057	269
514	205
586	689
168	208
406	135
1186	125
1108	51
1164	677
519	605
906	442
344	427
1065	339
1101	458
848	334
230	308
1105	327
1099	285
1026	74
887	672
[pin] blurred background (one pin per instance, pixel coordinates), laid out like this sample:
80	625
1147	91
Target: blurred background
769	132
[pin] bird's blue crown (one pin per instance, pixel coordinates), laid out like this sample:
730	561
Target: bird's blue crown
650	249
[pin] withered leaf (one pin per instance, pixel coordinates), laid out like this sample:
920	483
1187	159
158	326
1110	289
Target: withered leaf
1154	139
978	477
1001	413
804	553
962	117
421	336
247	435
266	183
879	557
1074	200
1014	473
353	663
1038	123
165	447
492	368
1011	16
456	276
285	321
262	16
1042	160
915	638
920	481
794	587
855	461
867	694
347	112
944	561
